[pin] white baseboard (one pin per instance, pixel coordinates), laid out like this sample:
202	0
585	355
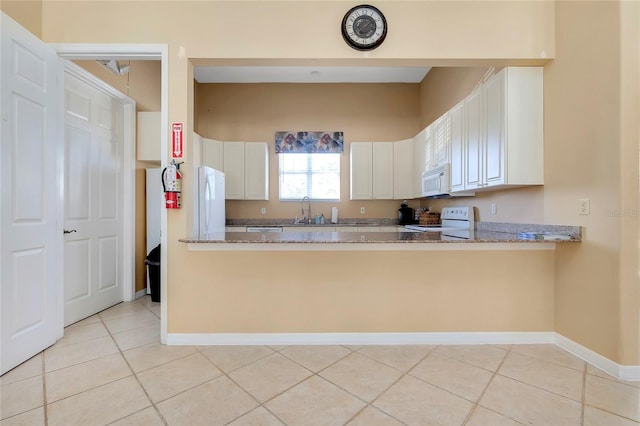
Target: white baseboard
140	294
462	338
623	372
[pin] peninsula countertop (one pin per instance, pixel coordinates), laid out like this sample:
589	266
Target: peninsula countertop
302	237
493	238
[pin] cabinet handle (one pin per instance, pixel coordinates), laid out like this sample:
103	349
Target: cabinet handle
66	231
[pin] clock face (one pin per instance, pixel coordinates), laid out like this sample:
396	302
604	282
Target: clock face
364	27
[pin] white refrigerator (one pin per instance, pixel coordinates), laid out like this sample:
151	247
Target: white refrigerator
211	213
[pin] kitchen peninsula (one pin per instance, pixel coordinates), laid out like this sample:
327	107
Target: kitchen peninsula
366	287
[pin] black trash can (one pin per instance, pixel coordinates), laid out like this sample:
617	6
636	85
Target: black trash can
153	263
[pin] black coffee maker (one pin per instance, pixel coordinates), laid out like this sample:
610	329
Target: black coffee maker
405	214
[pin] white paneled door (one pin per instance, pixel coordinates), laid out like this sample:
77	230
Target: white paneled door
31	154
93	222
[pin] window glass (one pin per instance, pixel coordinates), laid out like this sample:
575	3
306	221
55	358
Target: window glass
316	176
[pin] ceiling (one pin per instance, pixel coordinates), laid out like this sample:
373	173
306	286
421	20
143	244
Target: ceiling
309	74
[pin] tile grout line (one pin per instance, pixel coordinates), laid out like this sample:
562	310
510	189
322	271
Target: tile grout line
605	410
44	391
313	373
225	374
476	403
137	379
403	375
317	374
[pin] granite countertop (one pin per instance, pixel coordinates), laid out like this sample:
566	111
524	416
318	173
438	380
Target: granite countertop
484	232
368	237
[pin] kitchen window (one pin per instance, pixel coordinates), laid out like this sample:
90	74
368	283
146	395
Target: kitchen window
316	176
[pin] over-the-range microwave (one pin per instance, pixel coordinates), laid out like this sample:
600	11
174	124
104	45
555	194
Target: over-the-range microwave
437	183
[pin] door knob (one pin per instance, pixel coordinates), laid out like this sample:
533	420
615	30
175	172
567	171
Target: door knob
66	231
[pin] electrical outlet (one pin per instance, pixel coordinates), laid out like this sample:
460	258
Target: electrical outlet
494	208
361	210
584	206
263	210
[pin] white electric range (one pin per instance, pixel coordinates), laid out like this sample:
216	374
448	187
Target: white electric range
456	222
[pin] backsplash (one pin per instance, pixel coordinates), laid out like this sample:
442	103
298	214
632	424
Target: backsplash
289	221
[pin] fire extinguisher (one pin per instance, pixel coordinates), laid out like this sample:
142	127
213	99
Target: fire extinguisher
172	185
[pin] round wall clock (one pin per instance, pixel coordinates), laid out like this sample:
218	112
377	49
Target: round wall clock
364	27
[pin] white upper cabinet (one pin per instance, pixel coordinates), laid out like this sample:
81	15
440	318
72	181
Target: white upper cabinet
457	146
213	154
246	170
382	172
371	170
256	171
361	162
441	140
148	136
522	125
473	126
437	142
234	170
419	152
505	130
403	169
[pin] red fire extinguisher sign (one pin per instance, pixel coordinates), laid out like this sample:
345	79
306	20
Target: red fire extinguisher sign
176	140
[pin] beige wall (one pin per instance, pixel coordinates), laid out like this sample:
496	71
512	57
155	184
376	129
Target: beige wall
591	124
444	87
591	151
141	84
27	13
364	291
254	112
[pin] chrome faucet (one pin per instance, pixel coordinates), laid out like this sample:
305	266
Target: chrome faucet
308	218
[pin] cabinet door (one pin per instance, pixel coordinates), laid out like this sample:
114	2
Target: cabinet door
361	162
457	147
148	136
473	120
441	140
382	170
419	161
213	154
494	142
429	148
402	170
256	171
234	170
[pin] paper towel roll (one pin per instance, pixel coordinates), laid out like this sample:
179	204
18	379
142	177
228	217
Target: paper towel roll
334	215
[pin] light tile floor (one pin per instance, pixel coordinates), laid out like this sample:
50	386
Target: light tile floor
111	369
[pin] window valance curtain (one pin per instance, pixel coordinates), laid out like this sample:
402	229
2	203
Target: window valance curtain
309	142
